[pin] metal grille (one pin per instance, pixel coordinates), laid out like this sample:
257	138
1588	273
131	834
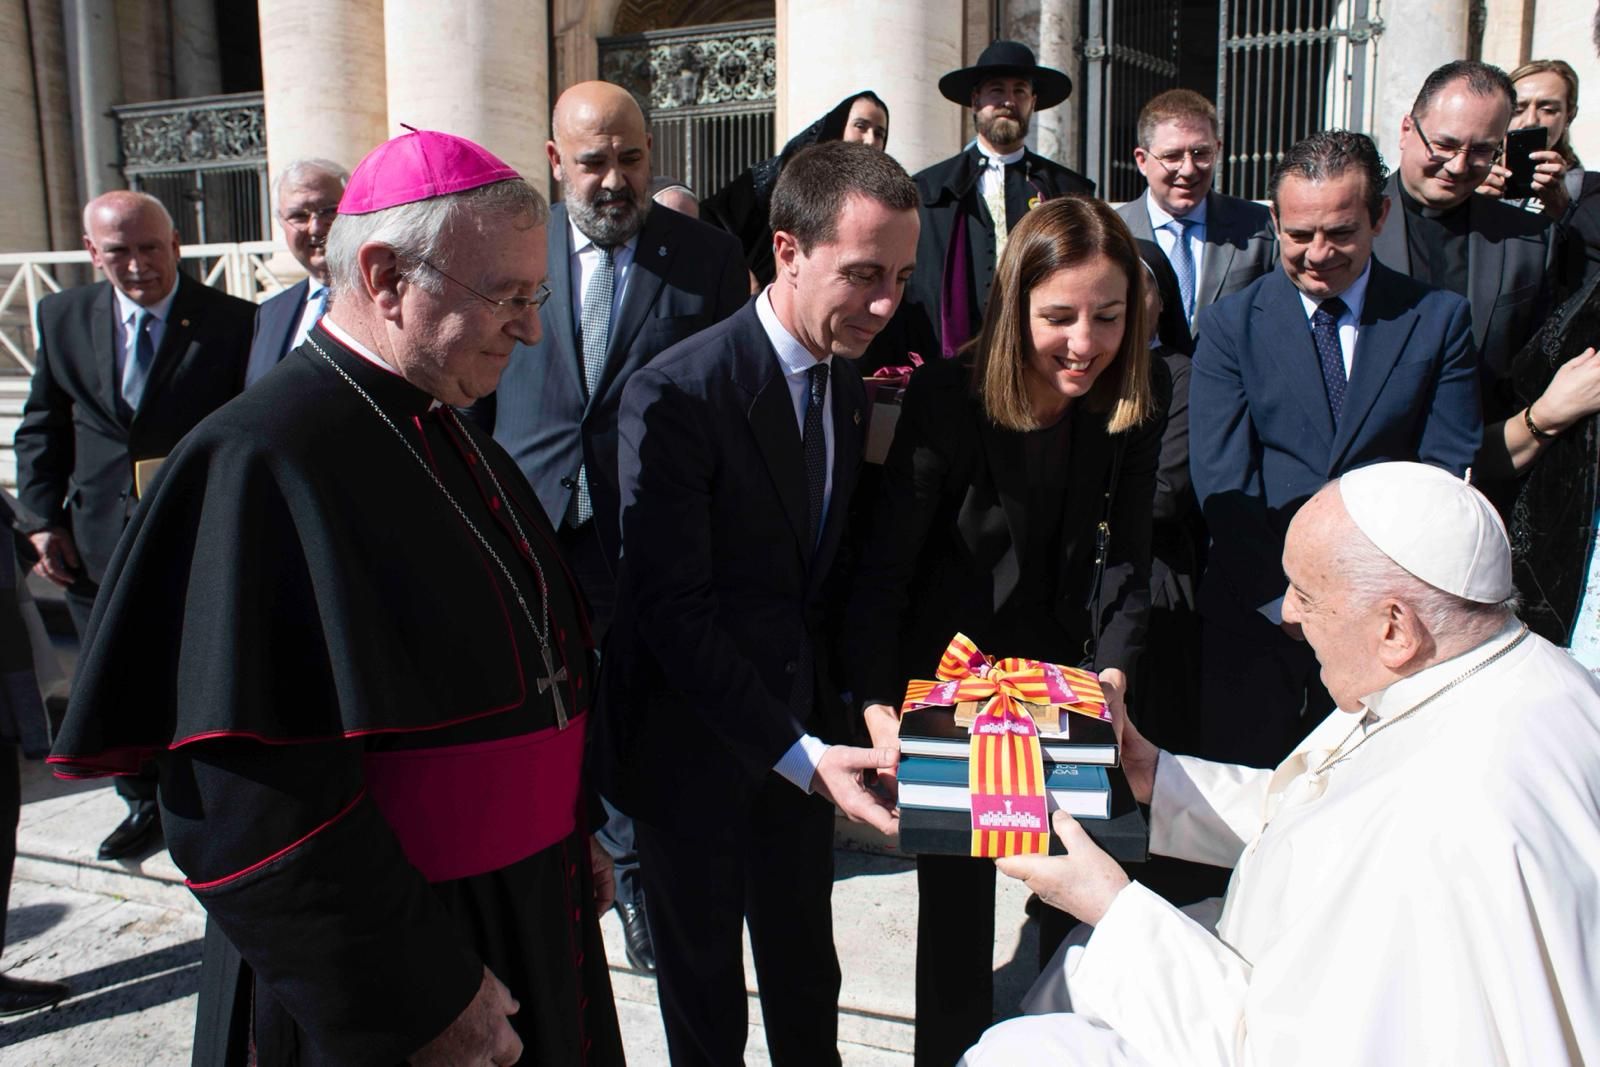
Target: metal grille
1289	68
710	92
226	204
1131	54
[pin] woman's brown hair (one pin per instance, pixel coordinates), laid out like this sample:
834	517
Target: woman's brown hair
1061	233
1563	70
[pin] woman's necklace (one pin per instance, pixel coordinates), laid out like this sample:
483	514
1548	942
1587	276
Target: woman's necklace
1339	755
541	627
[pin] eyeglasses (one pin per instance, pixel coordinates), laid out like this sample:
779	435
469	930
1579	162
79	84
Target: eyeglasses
1203	157
301	220
1478	155
507	309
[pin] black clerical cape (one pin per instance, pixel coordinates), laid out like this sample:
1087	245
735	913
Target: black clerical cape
364	771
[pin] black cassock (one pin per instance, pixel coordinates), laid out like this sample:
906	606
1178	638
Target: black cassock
364	774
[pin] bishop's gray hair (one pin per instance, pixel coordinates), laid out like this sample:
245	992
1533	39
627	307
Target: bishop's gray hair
1369	576
417	231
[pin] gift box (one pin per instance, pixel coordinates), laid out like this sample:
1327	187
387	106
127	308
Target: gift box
885	389
1008	711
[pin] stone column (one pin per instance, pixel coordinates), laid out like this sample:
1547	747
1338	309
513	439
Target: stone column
24	225
1049	27
896	48
480	70
196	64
95	70
322	72
58	158
1418	36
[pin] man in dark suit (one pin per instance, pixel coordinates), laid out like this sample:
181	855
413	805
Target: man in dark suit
626	282
1216	244
1333	362
1513	266
739	449
307	195
961	198
125	368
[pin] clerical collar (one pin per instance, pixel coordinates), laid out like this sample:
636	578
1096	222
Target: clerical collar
1407	691
1416	207
990	158
356	348
1160	216
127	308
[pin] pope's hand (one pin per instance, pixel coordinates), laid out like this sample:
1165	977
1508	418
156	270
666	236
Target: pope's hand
1137	754
883	726
841	777
1083	883
481	1034
605	880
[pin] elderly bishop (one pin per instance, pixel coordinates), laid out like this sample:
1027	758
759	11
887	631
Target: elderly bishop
340	625
1417	883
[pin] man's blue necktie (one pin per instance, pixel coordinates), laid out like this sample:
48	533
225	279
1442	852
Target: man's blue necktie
1325	331
136	372
1183	264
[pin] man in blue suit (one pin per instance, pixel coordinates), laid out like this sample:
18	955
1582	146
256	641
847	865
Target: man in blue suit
739	451
1332	362
307	196
627	281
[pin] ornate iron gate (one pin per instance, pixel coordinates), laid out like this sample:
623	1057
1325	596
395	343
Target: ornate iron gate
1289	68
1130	53
710	92
204	158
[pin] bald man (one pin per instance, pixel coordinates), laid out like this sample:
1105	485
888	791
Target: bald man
125	368
627	281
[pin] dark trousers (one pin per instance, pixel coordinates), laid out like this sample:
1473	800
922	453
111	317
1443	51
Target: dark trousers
139	790
1261	691
955	954
10	815
777	875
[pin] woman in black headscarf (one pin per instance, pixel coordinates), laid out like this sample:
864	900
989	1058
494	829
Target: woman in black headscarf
741	206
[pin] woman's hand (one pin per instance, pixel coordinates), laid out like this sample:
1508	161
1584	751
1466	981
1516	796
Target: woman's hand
1138	755
1572	395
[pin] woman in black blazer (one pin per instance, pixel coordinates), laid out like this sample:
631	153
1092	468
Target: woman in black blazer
1005	462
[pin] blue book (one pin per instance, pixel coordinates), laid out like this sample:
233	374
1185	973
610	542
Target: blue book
941	784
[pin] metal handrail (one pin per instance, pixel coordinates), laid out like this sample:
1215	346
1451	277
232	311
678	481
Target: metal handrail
241	269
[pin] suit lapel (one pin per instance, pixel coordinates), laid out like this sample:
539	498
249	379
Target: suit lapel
652	259
103	339
1284	330
1385	328
176	334
773	424
289	315
557	316
1221	244
1485	264
1390	245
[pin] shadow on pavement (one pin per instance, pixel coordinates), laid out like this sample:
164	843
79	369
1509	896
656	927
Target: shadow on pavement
116	989
32	920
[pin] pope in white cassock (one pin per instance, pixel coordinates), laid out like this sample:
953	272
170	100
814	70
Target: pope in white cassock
1418	883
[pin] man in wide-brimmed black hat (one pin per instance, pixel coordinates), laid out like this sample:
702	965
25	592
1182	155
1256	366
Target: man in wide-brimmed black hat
964	197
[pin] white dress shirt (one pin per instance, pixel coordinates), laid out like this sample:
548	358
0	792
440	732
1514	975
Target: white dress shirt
1167	240
994	172
310	311
585	260
127	312
799	763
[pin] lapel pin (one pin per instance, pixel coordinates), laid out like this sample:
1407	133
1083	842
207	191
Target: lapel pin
184	323
661	251
857	416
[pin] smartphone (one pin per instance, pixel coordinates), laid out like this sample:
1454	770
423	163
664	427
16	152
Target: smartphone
1520	146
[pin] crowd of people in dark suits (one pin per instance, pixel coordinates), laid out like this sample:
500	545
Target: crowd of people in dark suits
1116	416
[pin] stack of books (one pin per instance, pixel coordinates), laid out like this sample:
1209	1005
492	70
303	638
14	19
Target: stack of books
935	811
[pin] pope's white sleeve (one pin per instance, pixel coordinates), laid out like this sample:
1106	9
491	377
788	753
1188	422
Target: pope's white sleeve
1203	811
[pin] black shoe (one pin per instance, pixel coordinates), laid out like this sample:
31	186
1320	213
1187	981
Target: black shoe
132	836
18	995
636	937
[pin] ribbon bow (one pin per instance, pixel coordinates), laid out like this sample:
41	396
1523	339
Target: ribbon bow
967	674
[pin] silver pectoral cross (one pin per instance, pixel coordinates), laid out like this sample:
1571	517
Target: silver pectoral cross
548	682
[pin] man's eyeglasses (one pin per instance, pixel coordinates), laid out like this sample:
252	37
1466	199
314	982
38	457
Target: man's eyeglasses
1441	152
507	309
301	220
1203	157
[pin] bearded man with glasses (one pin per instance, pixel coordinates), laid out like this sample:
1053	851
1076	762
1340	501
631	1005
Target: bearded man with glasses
1511	265
1217	244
